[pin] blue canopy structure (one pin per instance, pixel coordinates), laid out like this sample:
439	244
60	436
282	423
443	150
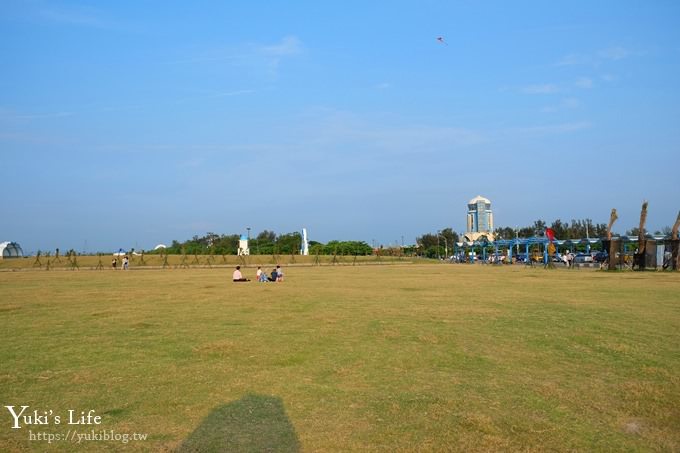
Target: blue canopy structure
526	243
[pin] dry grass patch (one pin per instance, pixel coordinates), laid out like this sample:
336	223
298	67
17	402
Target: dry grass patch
342	358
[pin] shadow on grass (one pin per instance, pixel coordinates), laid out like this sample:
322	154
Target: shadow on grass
253	423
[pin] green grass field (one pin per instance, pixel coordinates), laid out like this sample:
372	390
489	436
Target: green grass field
345	358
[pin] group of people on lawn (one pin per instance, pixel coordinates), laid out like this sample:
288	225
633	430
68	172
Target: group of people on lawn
260	276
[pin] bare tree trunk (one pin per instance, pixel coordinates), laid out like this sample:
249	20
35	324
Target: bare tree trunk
612	248
639	259
676	226
675	245
612	219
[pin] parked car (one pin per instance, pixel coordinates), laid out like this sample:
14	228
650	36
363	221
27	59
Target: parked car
520	257
583	258
600	257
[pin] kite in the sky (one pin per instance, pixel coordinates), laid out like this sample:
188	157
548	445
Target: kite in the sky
440	39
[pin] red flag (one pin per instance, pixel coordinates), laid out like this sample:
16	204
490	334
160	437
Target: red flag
550	234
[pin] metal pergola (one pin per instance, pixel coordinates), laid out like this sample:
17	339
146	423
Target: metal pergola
541	241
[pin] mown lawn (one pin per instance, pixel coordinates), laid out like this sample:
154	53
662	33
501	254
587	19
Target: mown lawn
342	358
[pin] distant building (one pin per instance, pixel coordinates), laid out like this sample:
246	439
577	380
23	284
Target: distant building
479	219
10	250
243	246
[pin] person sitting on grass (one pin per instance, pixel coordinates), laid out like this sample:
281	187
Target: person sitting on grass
274	276
279	274
238	277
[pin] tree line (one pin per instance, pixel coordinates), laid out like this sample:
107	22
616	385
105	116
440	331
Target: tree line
265	243
440	244
576	229
430	245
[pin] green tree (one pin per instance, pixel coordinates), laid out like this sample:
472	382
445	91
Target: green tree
289	243
559	228
504	233
451	237
539	228
433	245
264	243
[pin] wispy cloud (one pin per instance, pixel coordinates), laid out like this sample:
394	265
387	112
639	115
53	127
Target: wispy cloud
260	57
9	115
30	138
383	86
82	17
571	103
546	88
274	54
191	163
584	82
574	59
347	139
614	53
382	135
289	45
609	54
12	115
214	95
550	129
204	59
170	101
565	104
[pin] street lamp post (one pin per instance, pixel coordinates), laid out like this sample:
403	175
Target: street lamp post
446	244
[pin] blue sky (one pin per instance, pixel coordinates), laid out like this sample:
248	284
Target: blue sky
126	124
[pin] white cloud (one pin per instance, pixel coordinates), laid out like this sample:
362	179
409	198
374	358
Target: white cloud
273	54
383	86
574	59
289	45
566	103
260	58
614	53
551	129
584	82
546	88
571	103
